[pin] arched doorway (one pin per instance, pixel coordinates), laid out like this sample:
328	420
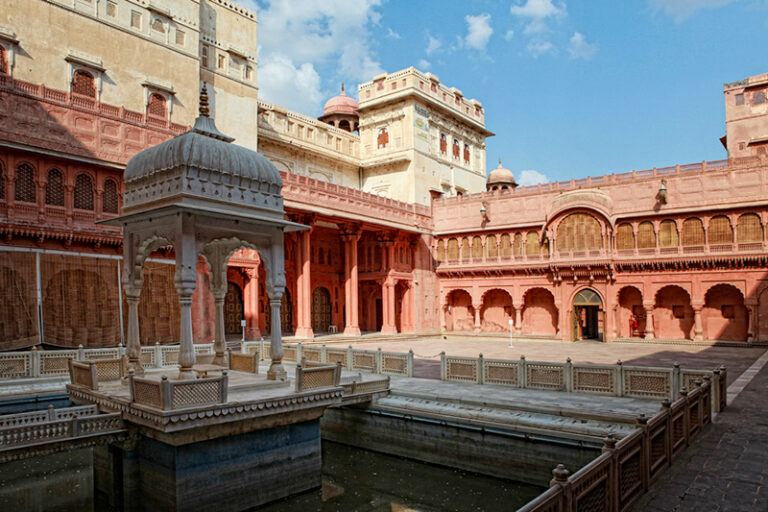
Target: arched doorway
233	309
540	315
286	314
672	313
460	315
496	311
725	315
588	318
631	319
321	310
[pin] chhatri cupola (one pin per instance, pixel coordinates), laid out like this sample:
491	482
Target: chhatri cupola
341	112
501	179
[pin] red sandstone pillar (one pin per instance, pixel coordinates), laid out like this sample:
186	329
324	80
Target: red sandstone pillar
698	325
251	305
407	308
351	284
649	332
751	322
477	317
388	306
304	288
443	322
519	320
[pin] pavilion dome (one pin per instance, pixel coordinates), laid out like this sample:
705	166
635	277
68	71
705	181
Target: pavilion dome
202	164
341	104
501	176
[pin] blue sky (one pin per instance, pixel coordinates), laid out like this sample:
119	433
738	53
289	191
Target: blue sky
571	88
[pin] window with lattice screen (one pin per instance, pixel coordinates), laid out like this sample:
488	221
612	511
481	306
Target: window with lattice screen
579	232
109	199
465	252
84	84
646	236
477	248
3	60
83	192
532	243
440	250
693	232
453	249
668	234
625	236
518	245
54	189
25	184
2	181
720	230
749	228
157	106
491	250
506	245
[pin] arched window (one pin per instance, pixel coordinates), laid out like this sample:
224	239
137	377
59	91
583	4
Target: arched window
668	234
83	192
465	253
84	84
506	246
693	232
157	106
443	144
758	98
54	189
625	237
491	251
466	153
440	250
3	60
532	246
453	249
383	138
477	248
720	230
109	199
579	232
646	236
518	245
749	228
456	155
25	184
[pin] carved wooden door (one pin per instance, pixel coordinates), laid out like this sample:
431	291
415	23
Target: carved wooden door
321	310
233	309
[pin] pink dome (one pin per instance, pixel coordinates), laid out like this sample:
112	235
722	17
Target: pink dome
341	104
501	175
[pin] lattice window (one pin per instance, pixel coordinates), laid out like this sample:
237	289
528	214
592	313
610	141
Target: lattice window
693	232
668	234
109	199
477	248
625	236
466	153
443	144
749	228
465	252
720	230
2	182
157	106
3	60
646	236
383	139
455	149
506	245
532	243
517	247
440	250
453	249
84	84
54	189
579	232
83	192
491	249
25	184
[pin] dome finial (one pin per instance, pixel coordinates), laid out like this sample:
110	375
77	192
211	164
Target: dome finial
499	161
342	86
204	112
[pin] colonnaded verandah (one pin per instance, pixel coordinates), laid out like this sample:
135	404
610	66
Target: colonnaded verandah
407	232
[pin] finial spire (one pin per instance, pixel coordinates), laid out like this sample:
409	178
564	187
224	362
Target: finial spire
499	161
204	112
342	86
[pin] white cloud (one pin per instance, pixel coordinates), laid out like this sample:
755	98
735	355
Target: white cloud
539	47
579	48
509	35
298	37
295	88
478	31
531	177
391	34
433	45
538	13
424	64
679	10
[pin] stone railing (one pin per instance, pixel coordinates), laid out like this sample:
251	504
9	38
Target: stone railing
317	377
50	363
624	471
244	362
20	433
601	379
50	414
375	361
169	394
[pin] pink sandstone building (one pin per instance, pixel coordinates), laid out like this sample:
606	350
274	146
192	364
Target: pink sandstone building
408	235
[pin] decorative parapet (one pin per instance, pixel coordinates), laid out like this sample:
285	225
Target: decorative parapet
168	394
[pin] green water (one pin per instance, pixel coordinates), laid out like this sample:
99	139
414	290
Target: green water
358	480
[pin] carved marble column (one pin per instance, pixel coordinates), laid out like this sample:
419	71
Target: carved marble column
251	303
304	288
132	339
220	336
698	324
276	370
186	281
351	284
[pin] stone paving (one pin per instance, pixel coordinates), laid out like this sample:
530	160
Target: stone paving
726	467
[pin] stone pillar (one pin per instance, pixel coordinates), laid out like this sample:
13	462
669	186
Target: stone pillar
304	288
616	322
251	305
649	332
132	339
388	306
751	322
276	370
519	320
443	321
478	325
351	284
187	358
220	336
406	321
698	325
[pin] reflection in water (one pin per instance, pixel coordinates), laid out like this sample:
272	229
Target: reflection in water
358	480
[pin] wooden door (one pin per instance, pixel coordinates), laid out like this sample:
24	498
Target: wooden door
321	310
233	309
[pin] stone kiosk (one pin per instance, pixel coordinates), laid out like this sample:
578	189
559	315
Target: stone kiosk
239	438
